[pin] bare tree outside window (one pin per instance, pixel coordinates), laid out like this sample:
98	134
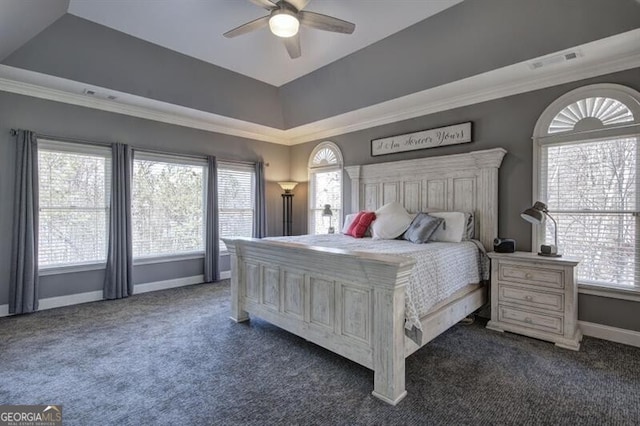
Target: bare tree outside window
325	187
74	187
167	208
236	194
592	193
328	190
586	147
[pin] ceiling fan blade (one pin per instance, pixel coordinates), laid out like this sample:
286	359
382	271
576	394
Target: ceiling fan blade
326	23
298	4
248	27
293	46
264	3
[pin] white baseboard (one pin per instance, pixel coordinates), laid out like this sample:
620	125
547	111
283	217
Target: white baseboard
225	275
94	296
71	299
613	334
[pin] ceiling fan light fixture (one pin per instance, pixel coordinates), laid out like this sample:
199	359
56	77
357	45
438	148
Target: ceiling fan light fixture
284	23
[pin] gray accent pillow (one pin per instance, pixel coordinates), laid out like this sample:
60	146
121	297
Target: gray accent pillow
422	227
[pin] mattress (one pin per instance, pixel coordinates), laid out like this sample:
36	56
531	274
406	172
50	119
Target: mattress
441	269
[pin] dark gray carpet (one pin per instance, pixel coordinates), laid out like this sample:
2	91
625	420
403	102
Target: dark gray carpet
173	357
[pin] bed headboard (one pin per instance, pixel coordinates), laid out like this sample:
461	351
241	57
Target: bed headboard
460	182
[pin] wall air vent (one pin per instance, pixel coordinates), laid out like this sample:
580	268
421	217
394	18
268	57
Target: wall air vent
99	95
555	59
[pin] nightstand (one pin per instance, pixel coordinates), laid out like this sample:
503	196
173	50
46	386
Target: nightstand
535	296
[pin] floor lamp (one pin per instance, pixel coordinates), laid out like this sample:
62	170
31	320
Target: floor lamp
287	207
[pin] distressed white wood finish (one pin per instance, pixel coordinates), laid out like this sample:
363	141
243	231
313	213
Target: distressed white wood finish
353	303
461	182
535	296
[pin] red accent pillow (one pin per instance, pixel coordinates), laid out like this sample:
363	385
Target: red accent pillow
361	224
354	223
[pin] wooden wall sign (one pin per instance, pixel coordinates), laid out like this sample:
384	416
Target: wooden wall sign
432	138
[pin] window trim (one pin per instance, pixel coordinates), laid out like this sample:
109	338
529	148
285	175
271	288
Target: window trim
541	138
52	145
313	169
150	260
610	291
71	269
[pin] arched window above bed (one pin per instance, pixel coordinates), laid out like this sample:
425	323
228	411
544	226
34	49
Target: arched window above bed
325	188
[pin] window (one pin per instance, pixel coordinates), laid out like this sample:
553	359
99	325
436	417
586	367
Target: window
236	195
167	205
74	191
325	187
587	147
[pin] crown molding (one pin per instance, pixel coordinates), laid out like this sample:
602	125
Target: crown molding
606	56
38	85
609	55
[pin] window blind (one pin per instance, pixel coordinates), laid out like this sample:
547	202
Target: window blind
326	188
167	205
236	195
74	191
591	190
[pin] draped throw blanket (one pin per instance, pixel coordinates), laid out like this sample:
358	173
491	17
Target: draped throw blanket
23	284
212	240
260	207
118	281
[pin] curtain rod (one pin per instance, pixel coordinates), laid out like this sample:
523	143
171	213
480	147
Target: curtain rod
65	139
13	132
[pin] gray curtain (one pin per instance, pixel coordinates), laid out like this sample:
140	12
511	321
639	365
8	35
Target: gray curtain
118	280
260	212
23	284
212	243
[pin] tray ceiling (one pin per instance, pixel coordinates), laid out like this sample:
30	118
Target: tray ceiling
195	27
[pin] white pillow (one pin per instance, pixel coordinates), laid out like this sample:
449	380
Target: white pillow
348	220
391	221
470	230
454	228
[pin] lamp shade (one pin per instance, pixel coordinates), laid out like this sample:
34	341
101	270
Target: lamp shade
287	187
535	214
327	210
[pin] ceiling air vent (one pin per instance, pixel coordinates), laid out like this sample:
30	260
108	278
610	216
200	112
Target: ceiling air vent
100	95
555	59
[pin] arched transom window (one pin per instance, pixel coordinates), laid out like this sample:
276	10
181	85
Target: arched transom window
586	148
325	189
590	114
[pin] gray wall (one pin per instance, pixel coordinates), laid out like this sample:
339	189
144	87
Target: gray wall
87	52
438	50
62	120
467	39
506	123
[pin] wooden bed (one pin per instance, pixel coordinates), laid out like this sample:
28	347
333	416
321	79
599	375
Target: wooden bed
353	303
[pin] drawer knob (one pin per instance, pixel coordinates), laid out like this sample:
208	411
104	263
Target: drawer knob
527	275
528	320
529	298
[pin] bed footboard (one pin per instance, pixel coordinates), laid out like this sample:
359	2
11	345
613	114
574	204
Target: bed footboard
350	303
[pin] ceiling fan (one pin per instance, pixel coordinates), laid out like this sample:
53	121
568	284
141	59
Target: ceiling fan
284	20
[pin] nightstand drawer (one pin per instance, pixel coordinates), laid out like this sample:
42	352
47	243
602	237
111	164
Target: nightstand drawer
535	276
546	323
538	299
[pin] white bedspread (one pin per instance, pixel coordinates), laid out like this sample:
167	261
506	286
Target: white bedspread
441	268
